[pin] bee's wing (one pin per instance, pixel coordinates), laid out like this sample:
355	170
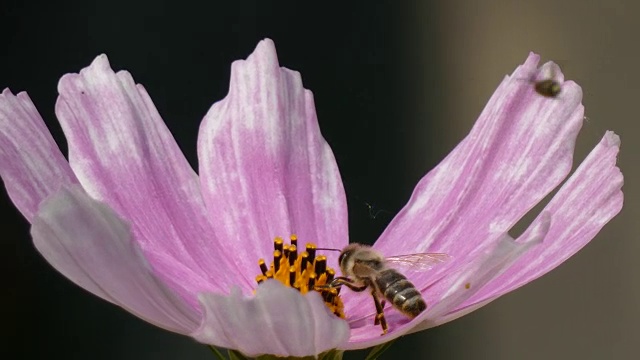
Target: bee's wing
418	261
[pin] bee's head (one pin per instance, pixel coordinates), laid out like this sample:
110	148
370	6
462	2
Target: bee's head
345	260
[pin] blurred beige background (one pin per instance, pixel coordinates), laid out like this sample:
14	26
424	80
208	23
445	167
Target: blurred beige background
588	307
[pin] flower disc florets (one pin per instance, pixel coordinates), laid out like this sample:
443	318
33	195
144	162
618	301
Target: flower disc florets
303	272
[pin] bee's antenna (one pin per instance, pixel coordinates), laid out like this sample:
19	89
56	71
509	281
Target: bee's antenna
338	250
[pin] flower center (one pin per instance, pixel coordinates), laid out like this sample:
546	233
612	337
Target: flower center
304	272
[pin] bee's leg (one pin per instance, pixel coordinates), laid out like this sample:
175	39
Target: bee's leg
341	280
379	312
383	302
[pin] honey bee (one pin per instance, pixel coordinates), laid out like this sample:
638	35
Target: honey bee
364	268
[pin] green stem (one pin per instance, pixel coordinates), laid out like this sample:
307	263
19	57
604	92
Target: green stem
378	350
236	355
217	352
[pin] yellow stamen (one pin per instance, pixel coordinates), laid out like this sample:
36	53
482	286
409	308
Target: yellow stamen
311	250
263	266
293	254
304	260
304	272
321	265
278	244
330	275
277	256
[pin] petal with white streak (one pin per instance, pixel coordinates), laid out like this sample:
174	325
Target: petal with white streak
519	150
454	288
584	204
89	244
278	320
31	164
265	169
123	154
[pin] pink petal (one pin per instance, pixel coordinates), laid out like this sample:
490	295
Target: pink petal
31	164
124	155
519	150
265	169
450	291
457	287
585	203
278	320
88	243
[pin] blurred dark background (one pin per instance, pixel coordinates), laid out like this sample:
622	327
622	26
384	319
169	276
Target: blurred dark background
397	84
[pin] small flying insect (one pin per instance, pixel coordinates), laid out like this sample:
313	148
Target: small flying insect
548	88
364	268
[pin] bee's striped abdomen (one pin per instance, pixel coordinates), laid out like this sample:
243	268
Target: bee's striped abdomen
400	292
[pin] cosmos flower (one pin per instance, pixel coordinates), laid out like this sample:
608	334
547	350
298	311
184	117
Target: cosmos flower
129	220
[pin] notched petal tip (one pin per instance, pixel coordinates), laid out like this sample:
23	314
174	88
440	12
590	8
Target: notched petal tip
99	67
265	46
607	151
531	71
264	56
532	61
101	61
524	71
611	139
21	95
